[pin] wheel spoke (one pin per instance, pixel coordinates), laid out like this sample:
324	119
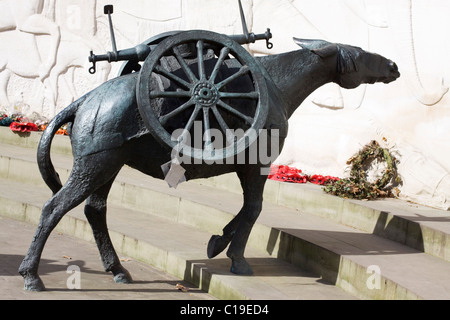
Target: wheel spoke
163	119
200	62
223	54
169	94
239	95
171	76
207	127
190	122
184	65
243	70
229	136
235	112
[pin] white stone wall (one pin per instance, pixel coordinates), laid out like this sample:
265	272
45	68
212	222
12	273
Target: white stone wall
44	66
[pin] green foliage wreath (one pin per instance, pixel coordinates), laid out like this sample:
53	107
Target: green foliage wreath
357	186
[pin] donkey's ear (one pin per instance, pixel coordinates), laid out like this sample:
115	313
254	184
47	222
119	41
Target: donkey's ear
320	47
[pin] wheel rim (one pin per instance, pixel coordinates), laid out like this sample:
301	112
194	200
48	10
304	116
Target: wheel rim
201	90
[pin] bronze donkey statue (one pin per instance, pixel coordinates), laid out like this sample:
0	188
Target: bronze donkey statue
107	133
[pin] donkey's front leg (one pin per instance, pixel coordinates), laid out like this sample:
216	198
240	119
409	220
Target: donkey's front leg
252	186
237	247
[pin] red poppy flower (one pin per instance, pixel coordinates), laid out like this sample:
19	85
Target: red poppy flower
23	126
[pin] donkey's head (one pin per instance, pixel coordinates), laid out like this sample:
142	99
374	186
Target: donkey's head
354	66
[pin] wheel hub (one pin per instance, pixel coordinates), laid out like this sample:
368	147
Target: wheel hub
205	94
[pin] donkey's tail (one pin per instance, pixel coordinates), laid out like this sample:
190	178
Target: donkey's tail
44	161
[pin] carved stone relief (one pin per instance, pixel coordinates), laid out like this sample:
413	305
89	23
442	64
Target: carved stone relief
45	46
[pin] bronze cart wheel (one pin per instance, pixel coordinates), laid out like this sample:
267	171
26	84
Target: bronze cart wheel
202	77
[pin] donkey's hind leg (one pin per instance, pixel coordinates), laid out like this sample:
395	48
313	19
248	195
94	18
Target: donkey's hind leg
67	198
85	178
95	211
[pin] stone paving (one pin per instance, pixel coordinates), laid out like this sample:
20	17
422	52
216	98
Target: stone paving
83	258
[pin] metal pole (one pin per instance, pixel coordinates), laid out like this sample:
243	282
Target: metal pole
108	9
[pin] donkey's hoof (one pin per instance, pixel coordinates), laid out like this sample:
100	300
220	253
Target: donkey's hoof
241	267
216	245
121	275
33	284
123	278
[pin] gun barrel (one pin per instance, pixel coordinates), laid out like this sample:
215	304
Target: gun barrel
140	52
